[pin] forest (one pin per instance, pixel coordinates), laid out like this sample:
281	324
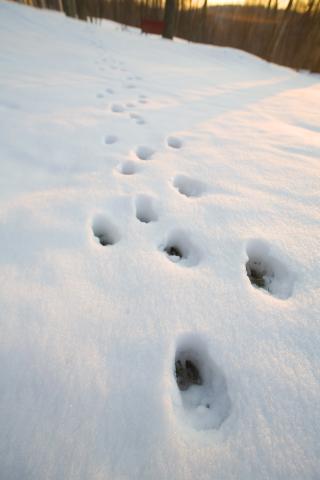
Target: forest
286	34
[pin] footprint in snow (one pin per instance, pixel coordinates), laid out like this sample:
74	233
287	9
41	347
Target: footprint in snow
110	139
109	90
138	118
201	384
143	99
179	249
174	142
129	167
266	272
146	209
144	153
104	231
117	108
100	95
189	186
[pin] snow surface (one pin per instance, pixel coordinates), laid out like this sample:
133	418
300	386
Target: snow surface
140	179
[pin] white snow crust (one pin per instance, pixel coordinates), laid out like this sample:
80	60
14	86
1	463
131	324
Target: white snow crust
141	180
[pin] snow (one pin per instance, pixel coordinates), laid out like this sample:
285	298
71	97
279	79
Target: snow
142	181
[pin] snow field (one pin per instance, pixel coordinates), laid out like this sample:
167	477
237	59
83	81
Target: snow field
158	204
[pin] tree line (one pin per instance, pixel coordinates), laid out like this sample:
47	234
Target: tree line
288	36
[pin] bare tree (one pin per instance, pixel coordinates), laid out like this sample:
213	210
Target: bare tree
203	30
70	7
169	14
289	36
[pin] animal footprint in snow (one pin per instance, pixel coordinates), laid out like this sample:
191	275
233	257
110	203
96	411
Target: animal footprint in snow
128	168
110	91
143	99
202	386
174	142
117	108
139	119
110	139
100	95
179	249
146	210
104	231
266	272
144	153
188	186
187	374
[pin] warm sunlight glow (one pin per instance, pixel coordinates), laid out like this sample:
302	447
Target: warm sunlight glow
224	2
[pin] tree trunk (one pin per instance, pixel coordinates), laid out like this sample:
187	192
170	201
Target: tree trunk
60	6
169	13
289	6
69	6
203	32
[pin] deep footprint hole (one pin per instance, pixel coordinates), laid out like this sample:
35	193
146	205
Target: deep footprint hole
146	210
265	271
258	272
179	249
201	384
104	231
187	373
174	251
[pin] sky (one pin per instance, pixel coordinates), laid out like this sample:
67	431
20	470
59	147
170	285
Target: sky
219	2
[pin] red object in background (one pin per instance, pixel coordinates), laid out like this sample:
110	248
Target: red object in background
152	26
